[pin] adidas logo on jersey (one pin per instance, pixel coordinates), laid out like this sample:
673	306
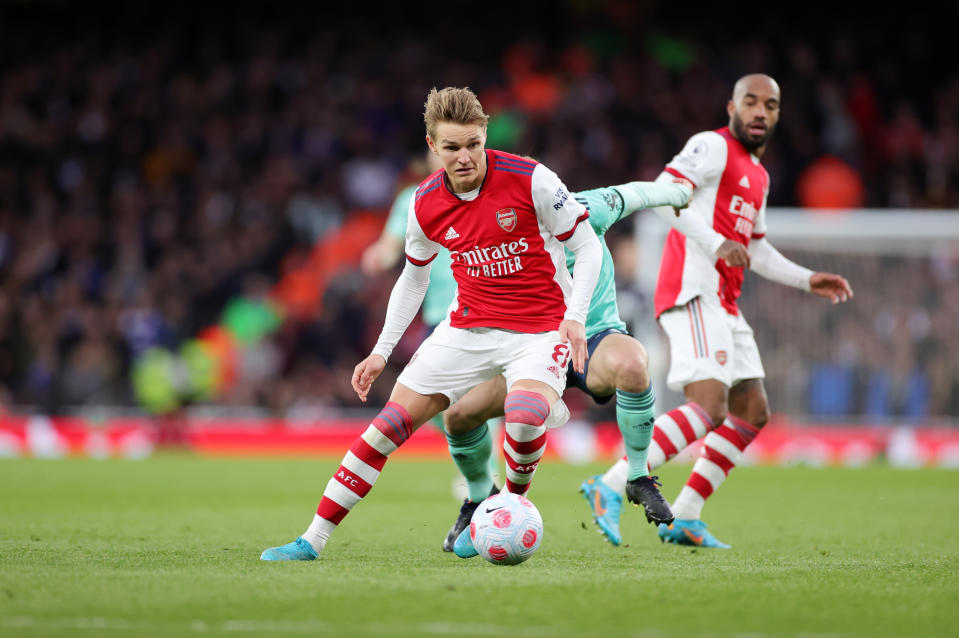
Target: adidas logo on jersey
744	182
451	234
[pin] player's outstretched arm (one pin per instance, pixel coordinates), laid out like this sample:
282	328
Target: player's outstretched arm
830	286
771	264
638	196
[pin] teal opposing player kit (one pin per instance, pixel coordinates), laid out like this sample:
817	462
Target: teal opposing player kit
635	412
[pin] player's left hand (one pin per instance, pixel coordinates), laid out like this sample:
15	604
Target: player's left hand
833	287
574	333
688	184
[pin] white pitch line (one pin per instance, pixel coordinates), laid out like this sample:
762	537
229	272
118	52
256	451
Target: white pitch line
98	623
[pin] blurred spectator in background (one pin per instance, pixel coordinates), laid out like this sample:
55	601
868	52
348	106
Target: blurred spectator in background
829	182
154	157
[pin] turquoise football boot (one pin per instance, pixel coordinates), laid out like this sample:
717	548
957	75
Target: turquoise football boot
463	547
606	505
463	520
297	550
689	532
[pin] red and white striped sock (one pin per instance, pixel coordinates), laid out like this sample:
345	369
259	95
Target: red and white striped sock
673	431
722	450
358	471
525	440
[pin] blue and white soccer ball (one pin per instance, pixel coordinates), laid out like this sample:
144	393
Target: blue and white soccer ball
506	529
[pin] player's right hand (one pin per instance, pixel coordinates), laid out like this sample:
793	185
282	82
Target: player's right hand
830	286
365	373
733	253
688	184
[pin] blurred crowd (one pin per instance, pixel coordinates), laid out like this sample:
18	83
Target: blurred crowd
157	163
891	355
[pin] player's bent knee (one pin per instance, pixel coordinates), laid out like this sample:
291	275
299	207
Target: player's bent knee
711	396
760	416
717	412
627	370
632	375
755	411
630	370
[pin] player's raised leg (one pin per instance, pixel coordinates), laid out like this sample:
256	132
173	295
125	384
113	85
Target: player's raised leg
619	365
700	378
360	468
471	445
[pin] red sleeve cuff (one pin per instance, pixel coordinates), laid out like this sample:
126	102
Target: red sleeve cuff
572	230
420	262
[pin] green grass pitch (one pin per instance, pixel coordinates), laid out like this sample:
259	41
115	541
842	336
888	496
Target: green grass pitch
170	546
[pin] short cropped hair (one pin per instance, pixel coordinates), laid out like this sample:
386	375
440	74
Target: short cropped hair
455	105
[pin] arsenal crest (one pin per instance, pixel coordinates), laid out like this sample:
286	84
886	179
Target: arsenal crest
721	357
506	218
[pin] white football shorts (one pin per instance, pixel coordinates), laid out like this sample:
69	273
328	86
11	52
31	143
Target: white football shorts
706	342
452	361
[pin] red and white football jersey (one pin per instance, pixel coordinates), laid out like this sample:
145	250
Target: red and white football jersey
508	259
731	190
